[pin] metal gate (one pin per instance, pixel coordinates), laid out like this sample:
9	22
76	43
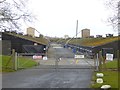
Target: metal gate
65	63
56	58
52	63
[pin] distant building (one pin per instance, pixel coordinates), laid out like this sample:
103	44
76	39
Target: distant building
85	33
98	36
31	31
109	35
91	36
66	36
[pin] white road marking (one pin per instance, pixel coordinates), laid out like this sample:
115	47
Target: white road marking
57	47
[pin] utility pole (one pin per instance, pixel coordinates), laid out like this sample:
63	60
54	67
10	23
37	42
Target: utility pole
76	34
76	29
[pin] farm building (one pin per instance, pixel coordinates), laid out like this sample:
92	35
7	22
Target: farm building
22	43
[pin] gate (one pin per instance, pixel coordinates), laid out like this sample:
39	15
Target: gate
57	58
65	63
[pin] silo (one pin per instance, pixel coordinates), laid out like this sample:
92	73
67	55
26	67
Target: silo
85	33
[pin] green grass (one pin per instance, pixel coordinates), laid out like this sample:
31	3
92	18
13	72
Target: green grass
94	41
113	64
23	63
3	61
91	41
26	62
110	76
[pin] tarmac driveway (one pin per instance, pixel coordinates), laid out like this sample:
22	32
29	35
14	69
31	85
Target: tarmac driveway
49	78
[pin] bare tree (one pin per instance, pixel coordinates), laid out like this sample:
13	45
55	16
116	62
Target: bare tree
113	6
13	13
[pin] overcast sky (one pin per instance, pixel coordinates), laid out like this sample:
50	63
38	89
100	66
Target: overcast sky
58	17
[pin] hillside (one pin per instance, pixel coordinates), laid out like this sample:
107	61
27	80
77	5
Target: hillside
34	39
91	41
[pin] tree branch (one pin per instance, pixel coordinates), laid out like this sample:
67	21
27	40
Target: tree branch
13	13
2	1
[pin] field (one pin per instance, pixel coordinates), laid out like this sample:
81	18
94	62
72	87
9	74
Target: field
6	63
110	75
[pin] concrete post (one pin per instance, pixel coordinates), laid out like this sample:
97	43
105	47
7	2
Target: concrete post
13	59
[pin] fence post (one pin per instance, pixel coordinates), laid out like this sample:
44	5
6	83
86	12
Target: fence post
97	62
100	60
118	57
13	59
94	63
18	60
104	65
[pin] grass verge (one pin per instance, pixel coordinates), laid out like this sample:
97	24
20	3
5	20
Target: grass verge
111	77
7	63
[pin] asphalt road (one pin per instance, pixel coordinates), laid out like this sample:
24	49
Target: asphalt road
50	77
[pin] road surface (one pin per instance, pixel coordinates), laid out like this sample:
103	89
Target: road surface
50	77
